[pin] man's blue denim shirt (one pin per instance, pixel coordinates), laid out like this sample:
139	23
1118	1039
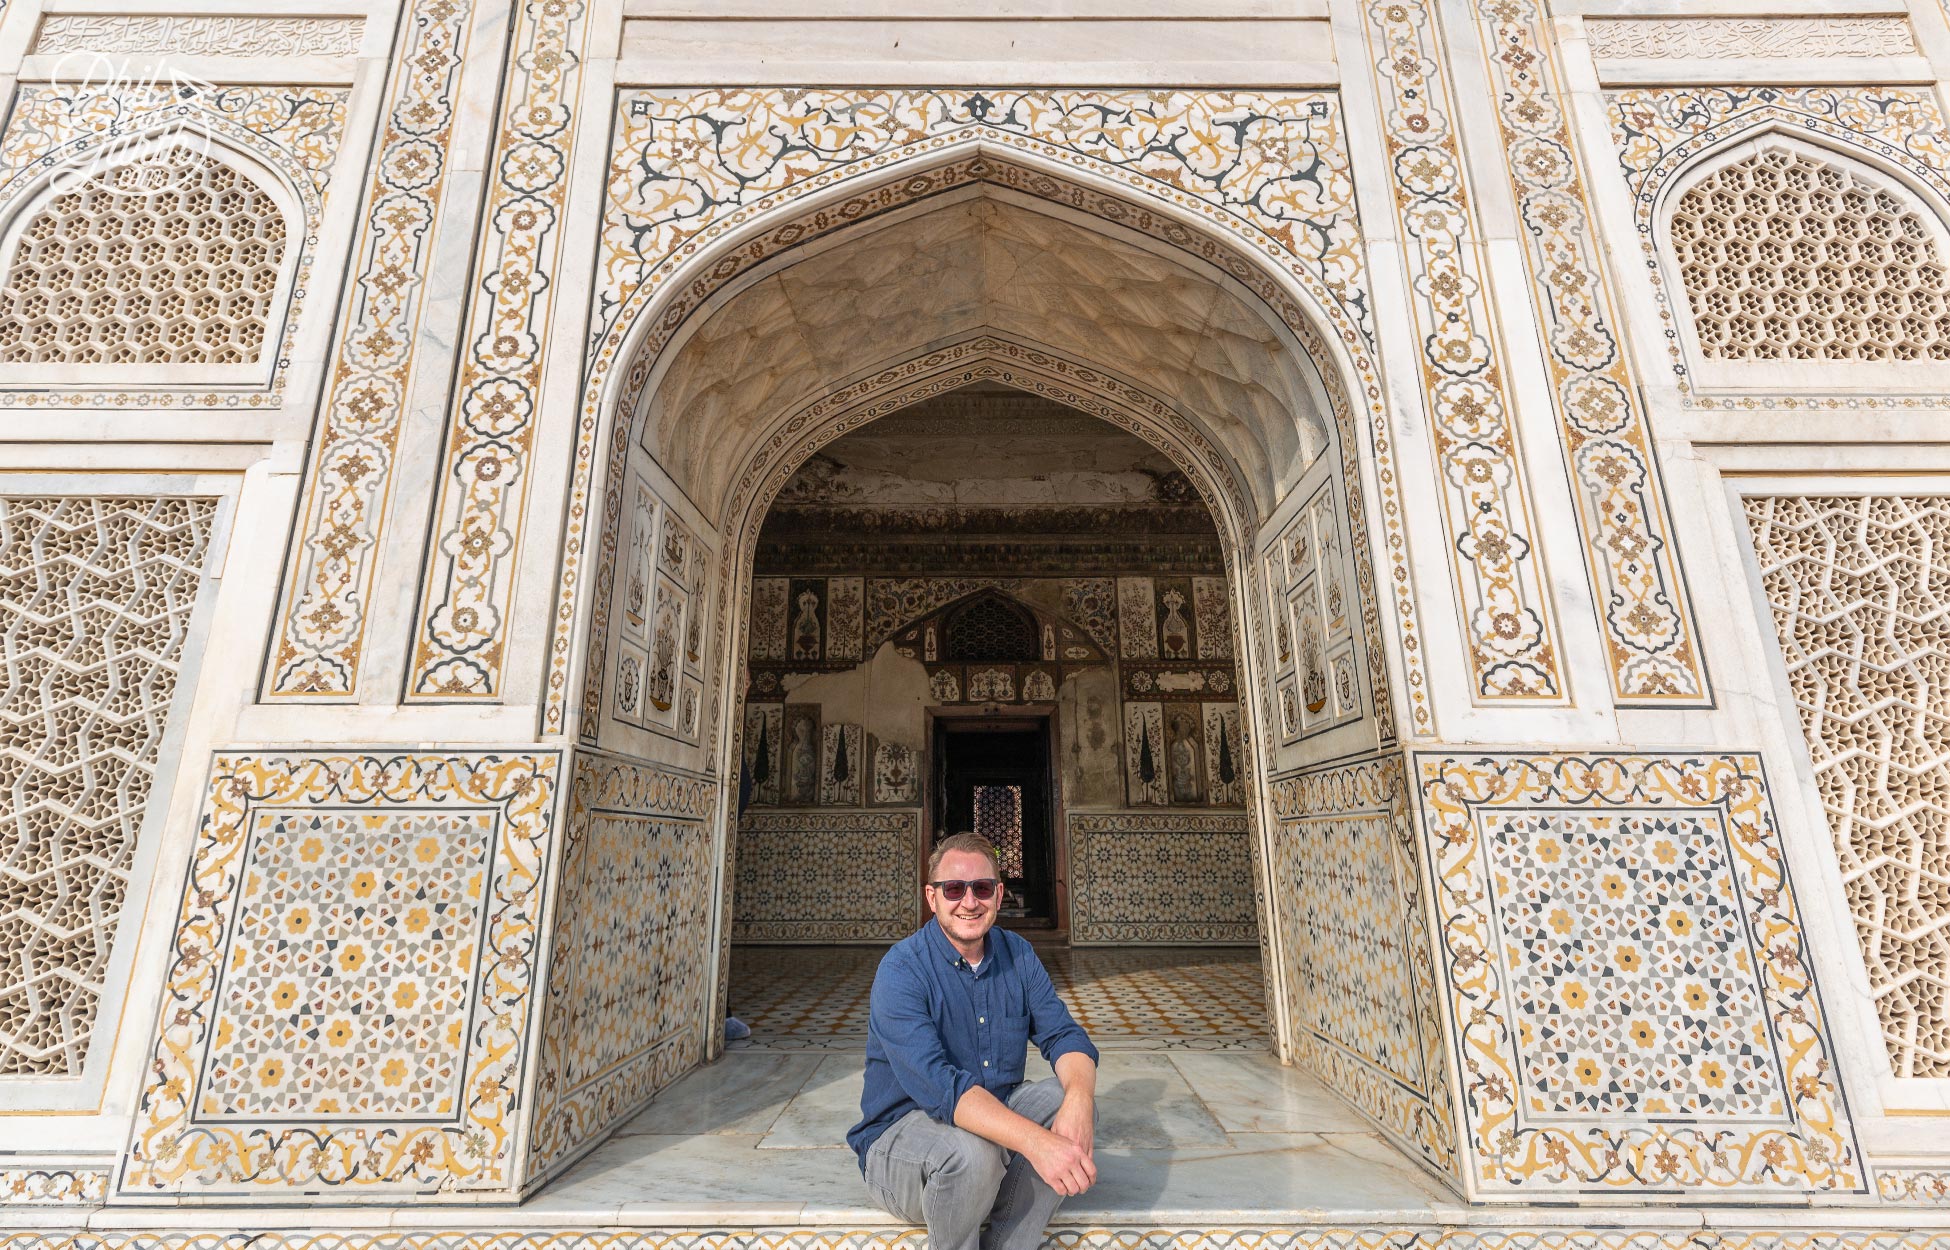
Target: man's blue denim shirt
936	1027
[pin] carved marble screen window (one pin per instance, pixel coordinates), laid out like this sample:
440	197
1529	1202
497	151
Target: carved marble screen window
1801	269
998	817
990	629
1859	590
167	263
98	596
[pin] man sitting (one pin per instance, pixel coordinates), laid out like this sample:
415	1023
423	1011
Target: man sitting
949	1135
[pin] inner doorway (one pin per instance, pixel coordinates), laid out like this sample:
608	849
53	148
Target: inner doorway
994	779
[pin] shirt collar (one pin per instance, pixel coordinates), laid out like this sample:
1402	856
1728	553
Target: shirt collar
946	949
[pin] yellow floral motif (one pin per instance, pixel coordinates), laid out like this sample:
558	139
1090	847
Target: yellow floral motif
1622	516
1781	1071
200	1129
322	618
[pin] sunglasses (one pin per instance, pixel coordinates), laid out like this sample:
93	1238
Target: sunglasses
953	890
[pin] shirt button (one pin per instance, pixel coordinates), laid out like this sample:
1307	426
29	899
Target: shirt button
985	1063
981	1019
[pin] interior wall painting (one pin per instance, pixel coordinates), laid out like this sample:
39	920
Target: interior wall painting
842	764
896	774
765	761
1144	754
802	754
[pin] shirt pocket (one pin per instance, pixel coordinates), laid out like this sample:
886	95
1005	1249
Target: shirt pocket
1011	1046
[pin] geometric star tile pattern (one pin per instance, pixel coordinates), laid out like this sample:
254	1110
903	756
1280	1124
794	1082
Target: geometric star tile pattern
1629	966
1126	998
364	925
1597	913
346	986
1860	587
1347	961
95	602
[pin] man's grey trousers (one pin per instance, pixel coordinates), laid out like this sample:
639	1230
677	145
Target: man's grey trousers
951	1180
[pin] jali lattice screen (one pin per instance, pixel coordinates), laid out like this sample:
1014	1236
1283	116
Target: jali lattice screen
95	600
168	260
1785	257
1860	587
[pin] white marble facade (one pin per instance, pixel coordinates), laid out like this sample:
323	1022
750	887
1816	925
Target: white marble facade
394	392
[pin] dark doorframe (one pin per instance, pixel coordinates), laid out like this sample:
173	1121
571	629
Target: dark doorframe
947	721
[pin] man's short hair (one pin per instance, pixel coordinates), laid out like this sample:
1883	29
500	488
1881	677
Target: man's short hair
964	842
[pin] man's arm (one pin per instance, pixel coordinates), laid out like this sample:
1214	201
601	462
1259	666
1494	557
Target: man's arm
1066	1166
897	1013
1076	1119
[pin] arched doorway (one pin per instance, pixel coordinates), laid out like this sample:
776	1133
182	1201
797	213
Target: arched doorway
985	286
990	612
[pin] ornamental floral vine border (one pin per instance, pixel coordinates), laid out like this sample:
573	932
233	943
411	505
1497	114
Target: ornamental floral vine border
1811	1146
1661	131
173	1150
1505	608
687	171
1621	509
322	617
295	131
460	645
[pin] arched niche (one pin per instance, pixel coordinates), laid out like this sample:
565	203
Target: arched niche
1798	265
167	261
1171	340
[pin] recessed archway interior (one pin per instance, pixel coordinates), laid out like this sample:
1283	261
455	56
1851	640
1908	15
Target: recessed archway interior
984	486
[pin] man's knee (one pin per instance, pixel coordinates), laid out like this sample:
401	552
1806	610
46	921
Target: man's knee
966	1159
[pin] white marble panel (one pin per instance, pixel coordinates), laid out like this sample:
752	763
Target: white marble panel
1254	1094
743	1092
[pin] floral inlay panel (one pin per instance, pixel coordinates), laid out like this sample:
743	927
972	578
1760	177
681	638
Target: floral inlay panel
1623	522
1512	639
460	642
328	585
1609	924
359	888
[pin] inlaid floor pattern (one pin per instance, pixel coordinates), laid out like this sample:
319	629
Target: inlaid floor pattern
1127	998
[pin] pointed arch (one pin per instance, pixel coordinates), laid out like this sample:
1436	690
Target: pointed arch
1805	265
1669	137
166	260
642	322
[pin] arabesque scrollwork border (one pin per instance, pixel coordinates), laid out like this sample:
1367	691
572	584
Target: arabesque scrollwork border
171	1152
1814	1149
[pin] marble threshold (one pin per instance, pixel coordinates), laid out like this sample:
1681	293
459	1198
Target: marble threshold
1188	1143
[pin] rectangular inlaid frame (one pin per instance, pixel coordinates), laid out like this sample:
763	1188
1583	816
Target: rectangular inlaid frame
1811	1147
174	1153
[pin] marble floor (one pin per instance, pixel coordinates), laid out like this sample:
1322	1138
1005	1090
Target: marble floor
1197	1120
758	1137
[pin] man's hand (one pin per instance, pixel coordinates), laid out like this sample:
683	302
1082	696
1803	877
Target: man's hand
1076	1120
1064	1165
